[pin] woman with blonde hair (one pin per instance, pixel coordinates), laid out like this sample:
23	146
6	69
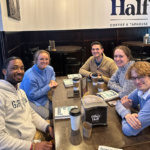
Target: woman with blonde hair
118	83
37	82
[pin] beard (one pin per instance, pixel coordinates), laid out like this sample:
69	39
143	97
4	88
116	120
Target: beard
12	80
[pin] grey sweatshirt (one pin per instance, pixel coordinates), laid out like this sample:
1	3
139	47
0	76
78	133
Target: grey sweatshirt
18	121
118	82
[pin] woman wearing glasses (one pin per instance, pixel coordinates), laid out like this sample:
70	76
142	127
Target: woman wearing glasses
37	82
118	83
132	124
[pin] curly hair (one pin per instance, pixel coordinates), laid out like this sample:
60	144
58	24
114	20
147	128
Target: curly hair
142	68
38	53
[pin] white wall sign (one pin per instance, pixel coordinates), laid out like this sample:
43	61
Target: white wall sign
130	13
77	14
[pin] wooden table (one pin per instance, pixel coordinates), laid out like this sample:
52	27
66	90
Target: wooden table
63	51
110	135
137	44
139	146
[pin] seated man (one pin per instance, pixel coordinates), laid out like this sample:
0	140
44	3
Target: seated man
132	124
18	121
98	63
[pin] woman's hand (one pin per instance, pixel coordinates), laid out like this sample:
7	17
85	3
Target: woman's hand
53	84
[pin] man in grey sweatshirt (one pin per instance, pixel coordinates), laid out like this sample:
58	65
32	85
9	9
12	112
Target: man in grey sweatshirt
18	121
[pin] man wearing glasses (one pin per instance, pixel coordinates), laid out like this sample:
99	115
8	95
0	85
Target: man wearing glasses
98	63
134	123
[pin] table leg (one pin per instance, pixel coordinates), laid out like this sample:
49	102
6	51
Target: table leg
61	64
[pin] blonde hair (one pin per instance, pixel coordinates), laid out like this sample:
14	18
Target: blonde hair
36	55
142	68
126	50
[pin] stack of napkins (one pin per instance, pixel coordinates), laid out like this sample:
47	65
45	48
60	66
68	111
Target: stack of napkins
63	112
68	82
71	76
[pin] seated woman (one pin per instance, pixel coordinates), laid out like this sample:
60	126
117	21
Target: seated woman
134	123
118	83
37	82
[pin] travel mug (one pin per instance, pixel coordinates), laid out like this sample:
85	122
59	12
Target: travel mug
100	84
76	85
94	78
75	118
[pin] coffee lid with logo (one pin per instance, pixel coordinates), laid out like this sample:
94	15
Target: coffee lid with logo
100	80
75	112
94	74
75	79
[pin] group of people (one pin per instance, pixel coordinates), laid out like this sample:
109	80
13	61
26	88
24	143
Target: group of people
131	80
25	104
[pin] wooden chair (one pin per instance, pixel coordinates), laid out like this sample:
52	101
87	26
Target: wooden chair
73	64
140	53
29	54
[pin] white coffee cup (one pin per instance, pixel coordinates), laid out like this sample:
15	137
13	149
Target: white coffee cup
75	118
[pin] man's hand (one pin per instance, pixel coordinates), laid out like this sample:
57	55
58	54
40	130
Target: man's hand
53	84
43	146
133	121
99	75
127	103
90	75
51	132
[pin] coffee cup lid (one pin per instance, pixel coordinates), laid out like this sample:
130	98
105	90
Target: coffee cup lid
94	74
100	80
75	79
75	112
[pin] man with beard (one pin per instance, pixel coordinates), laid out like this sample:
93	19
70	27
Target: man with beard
18	121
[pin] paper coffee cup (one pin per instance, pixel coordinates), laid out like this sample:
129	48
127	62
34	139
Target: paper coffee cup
75	118
76	84
100	84
94	78
87	129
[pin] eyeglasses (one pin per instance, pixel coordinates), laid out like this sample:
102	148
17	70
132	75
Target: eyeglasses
139	78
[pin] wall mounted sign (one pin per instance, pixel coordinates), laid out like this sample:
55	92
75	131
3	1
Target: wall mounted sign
129	13
13	9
